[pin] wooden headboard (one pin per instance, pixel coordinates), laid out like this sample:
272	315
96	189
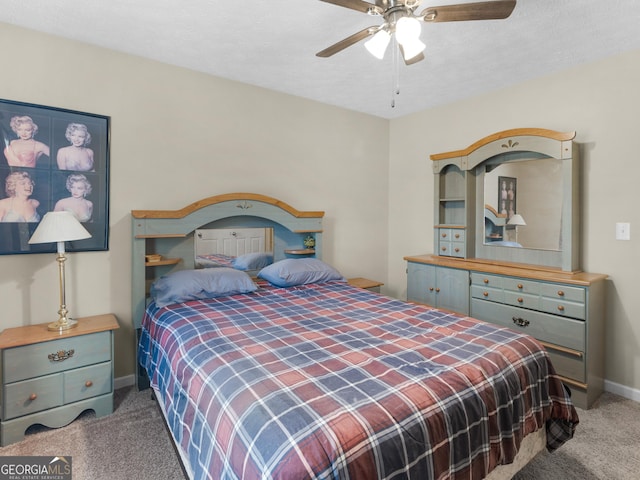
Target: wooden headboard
170	234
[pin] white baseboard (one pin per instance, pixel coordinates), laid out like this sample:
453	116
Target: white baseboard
122	382
622	390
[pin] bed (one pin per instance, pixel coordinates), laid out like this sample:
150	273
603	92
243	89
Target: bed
309	377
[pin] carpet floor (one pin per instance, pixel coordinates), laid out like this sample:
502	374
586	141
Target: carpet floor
133	443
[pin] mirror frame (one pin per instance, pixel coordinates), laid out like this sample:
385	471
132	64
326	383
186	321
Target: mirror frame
528	144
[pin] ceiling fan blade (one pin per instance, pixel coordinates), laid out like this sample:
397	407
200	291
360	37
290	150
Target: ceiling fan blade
359	5
347	42
495	10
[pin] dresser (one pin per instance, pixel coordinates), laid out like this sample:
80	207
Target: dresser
563	310
49	378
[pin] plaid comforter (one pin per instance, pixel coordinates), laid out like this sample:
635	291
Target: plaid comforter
329	381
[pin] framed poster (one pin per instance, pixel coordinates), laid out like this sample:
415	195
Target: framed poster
52	159
507	194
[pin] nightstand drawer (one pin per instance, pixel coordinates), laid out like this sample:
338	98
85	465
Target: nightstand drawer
34	360
22	398
87	382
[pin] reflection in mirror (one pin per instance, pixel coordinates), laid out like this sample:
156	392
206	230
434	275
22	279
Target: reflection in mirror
531	188
240	248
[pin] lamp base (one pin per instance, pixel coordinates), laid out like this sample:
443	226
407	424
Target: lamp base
61	326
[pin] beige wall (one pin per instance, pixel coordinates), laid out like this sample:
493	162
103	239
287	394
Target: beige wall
176	137
601	102
172	128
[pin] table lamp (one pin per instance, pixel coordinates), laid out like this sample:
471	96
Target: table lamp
517	220
60	227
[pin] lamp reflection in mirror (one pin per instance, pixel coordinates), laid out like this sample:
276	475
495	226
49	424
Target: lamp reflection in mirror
60	227
517	220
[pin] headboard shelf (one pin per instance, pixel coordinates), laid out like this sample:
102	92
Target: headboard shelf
300	251
164	261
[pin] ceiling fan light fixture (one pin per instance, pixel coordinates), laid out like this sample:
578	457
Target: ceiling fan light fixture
408	30
377	45
412	49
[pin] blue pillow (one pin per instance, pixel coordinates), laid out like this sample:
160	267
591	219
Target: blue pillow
292	272
186	285
252	261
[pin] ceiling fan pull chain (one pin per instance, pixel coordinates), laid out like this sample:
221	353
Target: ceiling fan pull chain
395	80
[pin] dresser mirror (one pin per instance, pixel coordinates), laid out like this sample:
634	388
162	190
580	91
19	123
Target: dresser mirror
530	188
541	227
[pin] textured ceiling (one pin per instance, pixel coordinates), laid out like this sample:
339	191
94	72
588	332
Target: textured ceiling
272	44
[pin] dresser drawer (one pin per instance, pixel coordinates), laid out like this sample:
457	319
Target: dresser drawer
87	382
487	293
30	396
568	365
524	300
563	292
522	286
487	280
564	308
34	360
561	331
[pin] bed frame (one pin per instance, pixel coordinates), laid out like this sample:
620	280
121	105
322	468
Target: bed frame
170	233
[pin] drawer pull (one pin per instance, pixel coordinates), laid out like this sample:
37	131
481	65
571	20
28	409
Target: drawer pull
61	355
437	290
431	289
33	396
520	286
521	322
520	300
457	235
444	235
560	293
88	384
561	308
456	249
486	280
444	249
485	294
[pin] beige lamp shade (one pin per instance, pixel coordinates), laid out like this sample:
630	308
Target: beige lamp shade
59	227
516	220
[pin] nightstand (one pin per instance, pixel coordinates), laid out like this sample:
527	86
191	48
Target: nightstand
365	283
51	377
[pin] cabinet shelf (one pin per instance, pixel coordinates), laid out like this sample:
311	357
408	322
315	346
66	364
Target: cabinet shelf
164	261
300	251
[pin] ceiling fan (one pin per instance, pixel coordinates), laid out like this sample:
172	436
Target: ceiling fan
400	18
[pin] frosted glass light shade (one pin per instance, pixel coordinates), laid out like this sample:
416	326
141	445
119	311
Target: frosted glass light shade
377	45
407	30
412	48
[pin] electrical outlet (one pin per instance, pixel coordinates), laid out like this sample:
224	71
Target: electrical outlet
623	231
